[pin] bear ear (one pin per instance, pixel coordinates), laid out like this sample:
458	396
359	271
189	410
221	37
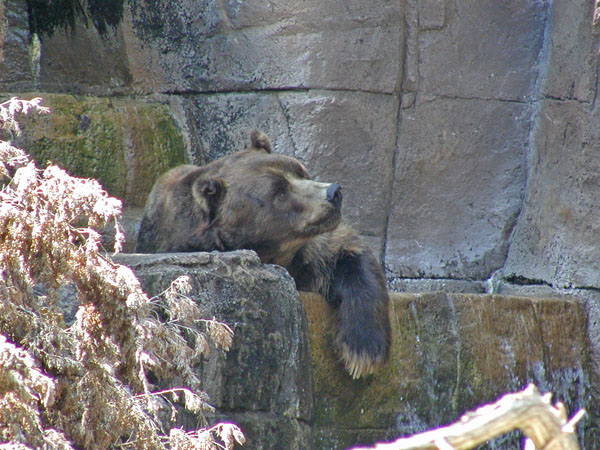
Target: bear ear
208	194
260	141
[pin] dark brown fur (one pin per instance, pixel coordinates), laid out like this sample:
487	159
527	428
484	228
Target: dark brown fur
268	203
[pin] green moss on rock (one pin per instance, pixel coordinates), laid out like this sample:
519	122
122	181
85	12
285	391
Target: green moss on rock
451	353
125	144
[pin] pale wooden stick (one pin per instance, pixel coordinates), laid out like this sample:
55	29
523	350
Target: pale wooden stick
545	426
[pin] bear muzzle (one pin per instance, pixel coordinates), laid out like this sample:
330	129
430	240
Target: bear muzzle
334	194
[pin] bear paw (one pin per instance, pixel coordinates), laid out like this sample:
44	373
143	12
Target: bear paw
362	353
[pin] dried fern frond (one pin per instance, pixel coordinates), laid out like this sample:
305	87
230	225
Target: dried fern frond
229	435
219	332
10	108
11	158
23	387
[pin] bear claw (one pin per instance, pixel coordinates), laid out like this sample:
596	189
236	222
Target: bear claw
360	364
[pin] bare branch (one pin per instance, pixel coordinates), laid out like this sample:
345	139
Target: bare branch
544	425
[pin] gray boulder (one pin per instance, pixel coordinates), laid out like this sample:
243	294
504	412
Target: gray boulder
283	383
264	382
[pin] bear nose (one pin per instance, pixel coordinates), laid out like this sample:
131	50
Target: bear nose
334	194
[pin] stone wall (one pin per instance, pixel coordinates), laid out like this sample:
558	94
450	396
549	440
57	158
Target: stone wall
452	353
463	133
264	383
284	385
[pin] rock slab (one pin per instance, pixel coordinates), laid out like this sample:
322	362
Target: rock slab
264	382
452	353
123	143
284	385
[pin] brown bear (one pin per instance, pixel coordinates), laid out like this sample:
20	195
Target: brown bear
269	203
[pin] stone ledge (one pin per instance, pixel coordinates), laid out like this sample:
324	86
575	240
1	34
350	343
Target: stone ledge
268	366
452	352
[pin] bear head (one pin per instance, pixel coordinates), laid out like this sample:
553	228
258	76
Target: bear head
252	199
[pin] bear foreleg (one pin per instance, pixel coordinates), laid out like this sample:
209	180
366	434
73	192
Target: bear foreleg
340	266
359	293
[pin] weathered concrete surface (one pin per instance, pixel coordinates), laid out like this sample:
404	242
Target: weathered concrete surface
479	49
227	46
555	241
451	353
461	132
95	65
198	46
264	382
60	49
458	187
571	53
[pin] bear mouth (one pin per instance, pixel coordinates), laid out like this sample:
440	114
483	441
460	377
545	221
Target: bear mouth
324	224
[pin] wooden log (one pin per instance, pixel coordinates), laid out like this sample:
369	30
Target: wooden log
545	426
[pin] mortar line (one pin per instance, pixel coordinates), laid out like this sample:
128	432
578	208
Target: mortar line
390	188
404	70
287	124
393	92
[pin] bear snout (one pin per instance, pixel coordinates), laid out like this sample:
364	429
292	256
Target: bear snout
334	194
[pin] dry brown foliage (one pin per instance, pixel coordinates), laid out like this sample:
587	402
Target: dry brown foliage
86	385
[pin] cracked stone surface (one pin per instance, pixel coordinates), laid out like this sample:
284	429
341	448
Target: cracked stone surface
264	381
213	45
459	182
463	133
556	240
451	352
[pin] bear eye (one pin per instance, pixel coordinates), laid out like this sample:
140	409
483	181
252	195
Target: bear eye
281	187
